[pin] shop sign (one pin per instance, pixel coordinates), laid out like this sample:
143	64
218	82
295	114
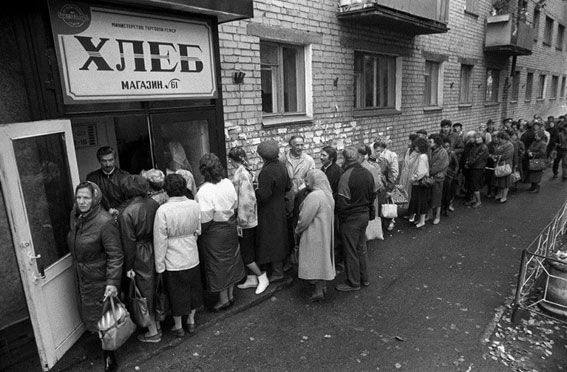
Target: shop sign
109	55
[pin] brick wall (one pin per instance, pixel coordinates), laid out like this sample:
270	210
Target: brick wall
334	121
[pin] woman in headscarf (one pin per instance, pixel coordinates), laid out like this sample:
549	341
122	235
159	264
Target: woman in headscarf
94	243
537	150
218	244
503	154
247	219
315	227
475	163
136	224
273	183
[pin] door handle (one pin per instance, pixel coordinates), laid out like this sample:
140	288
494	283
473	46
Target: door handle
32	257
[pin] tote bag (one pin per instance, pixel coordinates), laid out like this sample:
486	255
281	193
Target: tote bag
389	209
115	327
139	306
374	229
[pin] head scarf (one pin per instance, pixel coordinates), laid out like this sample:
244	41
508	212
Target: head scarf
269	150
318	180
97	199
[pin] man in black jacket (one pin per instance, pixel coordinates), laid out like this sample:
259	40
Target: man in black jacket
355	207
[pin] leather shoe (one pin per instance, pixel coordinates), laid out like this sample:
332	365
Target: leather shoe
191	328
343	287
178	332
221	307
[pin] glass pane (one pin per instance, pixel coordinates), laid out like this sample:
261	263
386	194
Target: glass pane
267	93
133	143
48	193
489	85
369	81
268	54
290	83
529	86
181	140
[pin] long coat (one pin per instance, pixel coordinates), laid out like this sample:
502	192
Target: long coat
271	238
94	243
136	223
538	150
315	225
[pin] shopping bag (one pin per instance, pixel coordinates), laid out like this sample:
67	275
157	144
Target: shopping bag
515	177
537	164
389	210
374	229
115	326
502	170
161	300
399	195
138	306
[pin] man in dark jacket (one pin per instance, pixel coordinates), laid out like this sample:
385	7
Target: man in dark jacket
108	179
355	207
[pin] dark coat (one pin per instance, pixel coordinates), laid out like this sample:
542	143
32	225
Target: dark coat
94	243
110	186
271	238
136	223
334	173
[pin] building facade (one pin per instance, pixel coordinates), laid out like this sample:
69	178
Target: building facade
355	70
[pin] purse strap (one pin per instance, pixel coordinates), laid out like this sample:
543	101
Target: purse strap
134	291
110	301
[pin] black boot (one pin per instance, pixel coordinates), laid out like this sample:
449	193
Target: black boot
110	361
535	188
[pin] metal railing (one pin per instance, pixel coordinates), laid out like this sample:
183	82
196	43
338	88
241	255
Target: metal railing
537	277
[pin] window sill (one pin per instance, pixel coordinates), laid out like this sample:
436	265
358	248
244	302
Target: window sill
552	98
540	99
528	100
286	120
489	104
432	109
558	49
359	113
546	44
465	105
514	101
472	14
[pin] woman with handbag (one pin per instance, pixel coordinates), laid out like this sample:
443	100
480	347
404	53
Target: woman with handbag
136	222
94	243
419	201
388	162
475	164
177	225
504	157
537	162
315	226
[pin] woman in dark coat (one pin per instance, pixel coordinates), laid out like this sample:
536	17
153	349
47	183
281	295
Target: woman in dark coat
537	150
136	224
475	164
273	183
94	243
503	154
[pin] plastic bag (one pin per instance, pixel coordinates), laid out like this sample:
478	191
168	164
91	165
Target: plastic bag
374	229
389	210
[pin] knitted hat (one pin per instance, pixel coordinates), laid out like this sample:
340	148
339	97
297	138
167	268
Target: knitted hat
269	150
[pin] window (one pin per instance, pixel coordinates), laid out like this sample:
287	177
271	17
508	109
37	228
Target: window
541	87
562	93
548	31
529	86
536	23
472	6
554	86
516	86
283	79
465	92
492	85
431	92
374	81
560	37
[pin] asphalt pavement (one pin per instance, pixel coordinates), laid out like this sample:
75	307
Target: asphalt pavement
436	295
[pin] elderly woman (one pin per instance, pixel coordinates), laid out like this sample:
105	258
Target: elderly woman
475	163
94	243
410	157
438	165
388	162
218	244
419	205
273	183
176	227
247	219
503	154
156	180
136	222
315	227
537	150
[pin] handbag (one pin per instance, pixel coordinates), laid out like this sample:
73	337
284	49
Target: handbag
502	170
399	195
427	181
515	176
115	326
161	300
537	164
374	229
389	210
138	306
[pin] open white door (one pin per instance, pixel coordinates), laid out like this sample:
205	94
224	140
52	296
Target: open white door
38	175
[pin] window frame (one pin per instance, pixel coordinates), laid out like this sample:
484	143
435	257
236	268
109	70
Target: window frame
563	83
560	40
541	86
529	86
554	87
471	7
535	23
548	31
494	92
465	84
435	91
515	94
304	111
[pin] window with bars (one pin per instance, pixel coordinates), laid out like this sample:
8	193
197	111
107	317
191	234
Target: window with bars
465	92
374	80
431	78
492	85
283	79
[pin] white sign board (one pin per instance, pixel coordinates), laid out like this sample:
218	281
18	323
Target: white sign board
109	55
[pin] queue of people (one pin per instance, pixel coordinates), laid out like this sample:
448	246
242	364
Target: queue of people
246	231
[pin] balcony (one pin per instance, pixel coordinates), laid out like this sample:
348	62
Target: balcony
414	17
506	36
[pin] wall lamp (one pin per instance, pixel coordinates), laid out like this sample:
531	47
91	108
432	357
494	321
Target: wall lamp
238	77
